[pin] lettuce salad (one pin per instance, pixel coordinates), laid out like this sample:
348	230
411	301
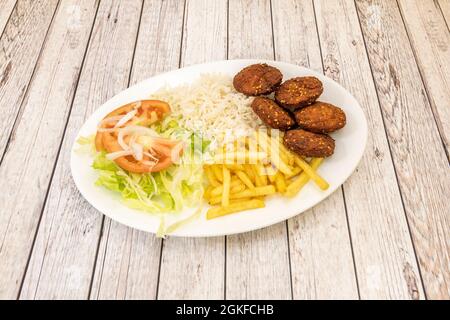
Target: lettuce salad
170	190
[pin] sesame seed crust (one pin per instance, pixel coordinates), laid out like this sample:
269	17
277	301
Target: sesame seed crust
272	114
320	117
298	92
309	144
257	79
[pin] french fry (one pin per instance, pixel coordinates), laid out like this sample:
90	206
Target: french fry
235	167
286	152
257	192
258	180
291	161
245	179
226	186
310	171
261	173
218	200
235	207
217	170
237	189
249	172
211	178
275	157
242	177
296	185
217	191
302	179
271	172
207	193
272	179
284	156
295	171
280	182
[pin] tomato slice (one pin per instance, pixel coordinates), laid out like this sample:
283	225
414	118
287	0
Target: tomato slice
149	112
145	108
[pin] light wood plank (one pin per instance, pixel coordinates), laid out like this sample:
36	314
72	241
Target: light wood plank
419	157
257	263
430	39
65	249
20	46
320	249
445	8
29	161
200	261
128	261
384	257
6	8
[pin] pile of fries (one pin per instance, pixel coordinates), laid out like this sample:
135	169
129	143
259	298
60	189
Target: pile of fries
243	174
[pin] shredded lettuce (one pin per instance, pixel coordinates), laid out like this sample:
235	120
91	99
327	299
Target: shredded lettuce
86	145
167	191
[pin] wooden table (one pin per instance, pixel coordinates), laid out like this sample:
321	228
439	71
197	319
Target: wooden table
385	234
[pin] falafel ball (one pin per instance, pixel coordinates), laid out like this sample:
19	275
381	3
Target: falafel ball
272	114
309	144
298	92
320	117
257	79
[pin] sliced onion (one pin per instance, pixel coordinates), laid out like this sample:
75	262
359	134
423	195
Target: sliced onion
107	129
118	154
150	163
137	105
175	153
150	156
120	140
138	151
140	130
126	118
109	120
133	139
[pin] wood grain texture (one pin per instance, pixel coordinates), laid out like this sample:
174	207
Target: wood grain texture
20	45
6	8
430	40
29	161
398	191
384	256
128	260
65	249
199	261
257	263
444	5
320	249
413	137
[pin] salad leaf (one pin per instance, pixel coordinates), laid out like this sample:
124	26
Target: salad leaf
86	145
160	193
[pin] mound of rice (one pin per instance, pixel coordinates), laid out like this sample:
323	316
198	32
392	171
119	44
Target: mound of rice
211	107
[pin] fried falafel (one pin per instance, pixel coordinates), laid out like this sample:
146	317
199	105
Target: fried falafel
272	114
320	117
257	79
298	92
308	144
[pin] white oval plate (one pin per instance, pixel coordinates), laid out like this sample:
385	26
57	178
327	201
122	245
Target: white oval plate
350	144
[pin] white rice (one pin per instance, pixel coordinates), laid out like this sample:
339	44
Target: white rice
211	107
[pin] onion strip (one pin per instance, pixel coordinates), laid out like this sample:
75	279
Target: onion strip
126	118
